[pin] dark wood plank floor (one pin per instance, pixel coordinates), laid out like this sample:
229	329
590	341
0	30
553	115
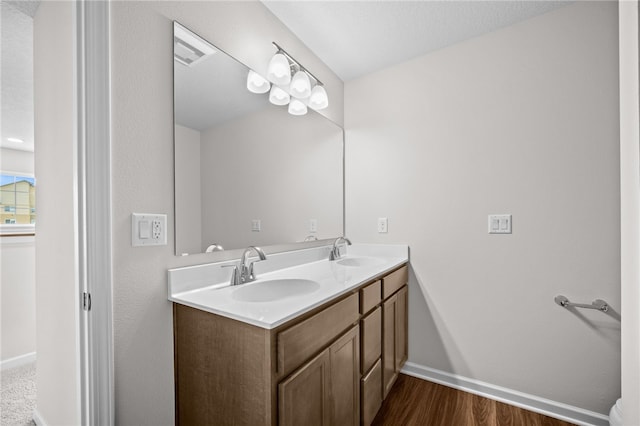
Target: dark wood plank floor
416	402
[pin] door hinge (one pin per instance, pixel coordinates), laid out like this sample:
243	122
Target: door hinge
86	301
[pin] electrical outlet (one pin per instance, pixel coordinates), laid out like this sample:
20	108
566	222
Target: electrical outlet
148	229
313	225
383	225
256	225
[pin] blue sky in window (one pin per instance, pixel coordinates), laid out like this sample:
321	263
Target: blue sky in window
5	179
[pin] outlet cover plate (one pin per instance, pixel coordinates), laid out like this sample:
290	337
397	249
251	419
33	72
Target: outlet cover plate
148	229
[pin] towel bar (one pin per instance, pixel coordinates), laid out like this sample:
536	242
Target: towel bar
598	304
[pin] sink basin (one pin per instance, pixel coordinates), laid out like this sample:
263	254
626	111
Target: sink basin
272	290
359	261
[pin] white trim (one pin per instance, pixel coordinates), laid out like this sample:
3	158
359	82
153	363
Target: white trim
529	402
628	25
19	228
37	418
18	361
94	209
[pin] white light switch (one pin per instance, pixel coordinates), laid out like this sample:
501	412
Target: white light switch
383	225
256	225
500	224
313	225
144	229
148	229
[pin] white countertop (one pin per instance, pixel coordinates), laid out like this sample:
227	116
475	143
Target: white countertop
206	287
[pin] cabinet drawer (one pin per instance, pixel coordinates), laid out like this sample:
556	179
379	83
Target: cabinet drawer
371	331
300	342
370	296
371	394
392	282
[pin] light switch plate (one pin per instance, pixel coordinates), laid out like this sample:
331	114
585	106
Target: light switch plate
148	229
313	225
383	225
256	225
500	224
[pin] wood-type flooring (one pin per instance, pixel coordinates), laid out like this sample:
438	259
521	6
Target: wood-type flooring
416	402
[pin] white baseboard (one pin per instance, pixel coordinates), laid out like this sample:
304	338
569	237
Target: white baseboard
17	361
37	418
534	403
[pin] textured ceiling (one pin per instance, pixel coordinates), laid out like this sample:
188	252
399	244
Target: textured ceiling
358	37
17	76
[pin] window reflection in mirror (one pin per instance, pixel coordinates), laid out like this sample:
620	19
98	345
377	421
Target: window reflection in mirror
246	171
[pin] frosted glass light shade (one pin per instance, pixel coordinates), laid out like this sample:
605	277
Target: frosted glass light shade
257	83
297	107
318	98
300	85
279	71
277	96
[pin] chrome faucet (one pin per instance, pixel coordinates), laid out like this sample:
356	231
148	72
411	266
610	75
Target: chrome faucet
214	247
243	273
335	250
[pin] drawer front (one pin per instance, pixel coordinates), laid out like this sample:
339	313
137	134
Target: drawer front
371	394
371	339
300	342
370	296
394	281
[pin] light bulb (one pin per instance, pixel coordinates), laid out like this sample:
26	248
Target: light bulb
297	107
279	71
318	98
300	85
277	96
257	83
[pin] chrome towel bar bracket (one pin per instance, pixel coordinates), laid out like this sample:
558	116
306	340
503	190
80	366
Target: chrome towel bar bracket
598	304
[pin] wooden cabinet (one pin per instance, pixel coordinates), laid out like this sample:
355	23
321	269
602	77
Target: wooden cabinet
331	366
394	337
371	393
326	390
304	397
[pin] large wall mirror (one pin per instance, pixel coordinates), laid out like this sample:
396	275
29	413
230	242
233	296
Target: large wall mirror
246	171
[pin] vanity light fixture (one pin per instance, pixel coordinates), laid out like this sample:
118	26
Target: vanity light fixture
279	71
318	98
297	107
303	90
257	83
300	85
278	96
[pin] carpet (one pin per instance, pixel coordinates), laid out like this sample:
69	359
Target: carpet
18	398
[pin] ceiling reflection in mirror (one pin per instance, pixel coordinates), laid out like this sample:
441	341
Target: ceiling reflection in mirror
246	171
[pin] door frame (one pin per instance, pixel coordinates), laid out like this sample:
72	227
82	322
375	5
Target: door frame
93	108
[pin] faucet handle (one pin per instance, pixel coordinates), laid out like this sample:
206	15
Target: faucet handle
234	274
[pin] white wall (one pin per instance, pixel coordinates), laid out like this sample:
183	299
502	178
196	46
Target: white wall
142	129
276	169
630	210
524	121
57	291
13	160
17	294
188	204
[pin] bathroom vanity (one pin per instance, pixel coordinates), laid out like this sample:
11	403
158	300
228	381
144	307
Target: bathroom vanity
326	354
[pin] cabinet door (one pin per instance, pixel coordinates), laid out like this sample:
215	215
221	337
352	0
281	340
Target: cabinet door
389	316
371	339
303	398
345	379
401	328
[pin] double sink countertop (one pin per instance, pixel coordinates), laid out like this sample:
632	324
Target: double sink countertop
288	284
